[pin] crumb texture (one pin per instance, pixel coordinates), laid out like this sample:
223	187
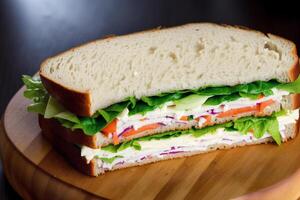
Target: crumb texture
185	57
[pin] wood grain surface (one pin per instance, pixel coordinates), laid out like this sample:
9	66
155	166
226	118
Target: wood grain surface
36	171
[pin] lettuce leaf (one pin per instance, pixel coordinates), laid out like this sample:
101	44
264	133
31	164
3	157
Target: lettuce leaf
111	112
36	92
111	148
273	130
110	160
134	143
250	96
218	95
56	110
50	108
146	104
218	99
163	98
292	87
258	125
90	126
250	90
256	87
43	104
189	102
38	107
210	129
140	108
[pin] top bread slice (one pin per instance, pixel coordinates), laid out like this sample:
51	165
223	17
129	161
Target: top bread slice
107	71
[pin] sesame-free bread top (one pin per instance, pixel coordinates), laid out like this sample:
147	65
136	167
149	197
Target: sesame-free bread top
101	73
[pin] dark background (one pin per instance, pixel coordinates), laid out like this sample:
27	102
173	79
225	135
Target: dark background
32	30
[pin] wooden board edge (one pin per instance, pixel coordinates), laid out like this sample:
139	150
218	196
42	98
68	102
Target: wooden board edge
288	188
29	180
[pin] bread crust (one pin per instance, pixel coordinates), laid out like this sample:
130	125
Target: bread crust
74	137
293	75
71	152
294	70
295	101
80	102
75	101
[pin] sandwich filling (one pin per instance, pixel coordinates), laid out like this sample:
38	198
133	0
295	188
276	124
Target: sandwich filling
196	108
212	117
227	135
192	112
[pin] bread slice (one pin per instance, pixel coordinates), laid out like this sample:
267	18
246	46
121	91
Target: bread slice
78	137
104	72
73	153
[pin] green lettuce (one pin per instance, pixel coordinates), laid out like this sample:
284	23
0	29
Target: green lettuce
256	87
292	87
218	99
218	95
134	143
146	104
258	125
56	110
50	108
110	160
210	129
92	125
47	106
36	92
250	90
190	102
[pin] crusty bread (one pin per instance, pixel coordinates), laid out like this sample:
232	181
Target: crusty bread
107	71
73	155
98	140
71	152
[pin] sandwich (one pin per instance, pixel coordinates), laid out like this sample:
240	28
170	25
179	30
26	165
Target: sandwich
167	93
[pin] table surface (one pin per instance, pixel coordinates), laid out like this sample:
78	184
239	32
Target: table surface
32	30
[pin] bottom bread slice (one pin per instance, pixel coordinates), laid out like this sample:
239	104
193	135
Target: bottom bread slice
95	167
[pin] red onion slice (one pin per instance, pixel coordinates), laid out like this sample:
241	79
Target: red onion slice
171	152
212	111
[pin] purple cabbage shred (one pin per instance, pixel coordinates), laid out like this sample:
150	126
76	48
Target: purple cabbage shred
170	117
172	152
226	139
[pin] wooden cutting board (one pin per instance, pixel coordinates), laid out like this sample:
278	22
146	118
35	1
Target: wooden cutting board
36	171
